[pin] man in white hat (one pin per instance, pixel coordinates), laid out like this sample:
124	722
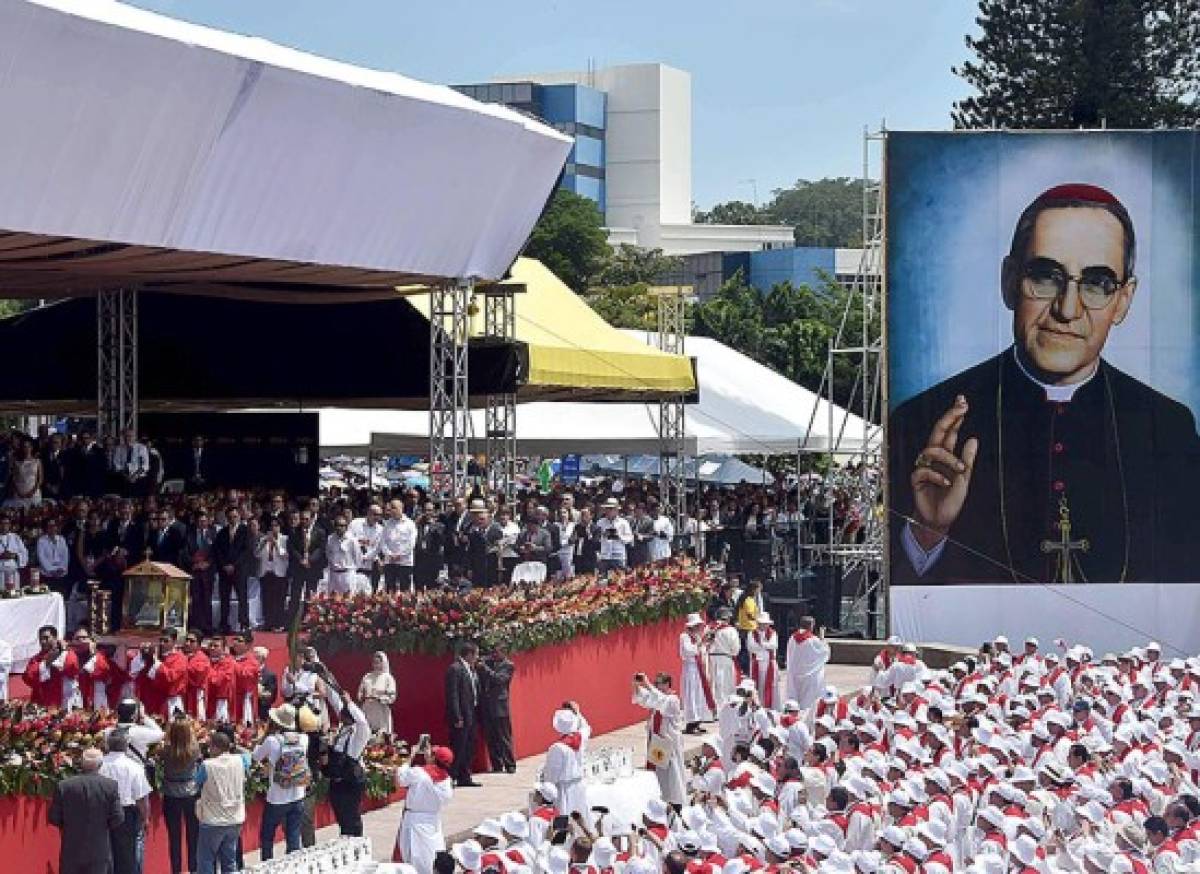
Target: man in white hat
429	788
285	749
564	759
882	663
807	655
664	738
763	644
695	688
615	536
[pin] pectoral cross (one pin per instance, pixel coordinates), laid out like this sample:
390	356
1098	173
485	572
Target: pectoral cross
1065	546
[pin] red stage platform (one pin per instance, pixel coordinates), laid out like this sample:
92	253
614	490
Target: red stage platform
595	671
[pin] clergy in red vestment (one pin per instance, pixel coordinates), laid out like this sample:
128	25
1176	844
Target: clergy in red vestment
170	673
247	677
222	682
52	674
199	665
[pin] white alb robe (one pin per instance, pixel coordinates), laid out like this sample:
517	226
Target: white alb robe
564	768
420	837
664	729
807	656
691	686
762	644
722	659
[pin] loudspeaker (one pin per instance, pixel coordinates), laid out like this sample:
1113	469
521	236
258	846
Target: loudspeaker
823	589
756	559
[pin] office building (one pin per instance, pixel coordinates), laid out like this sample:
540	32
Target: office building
633	153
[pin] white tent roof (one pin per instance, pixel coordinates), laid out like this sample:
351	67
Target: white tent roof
744	408
126	127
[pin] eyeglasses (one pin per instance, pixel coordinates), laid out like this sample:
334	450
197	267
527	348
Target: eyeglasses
1046	279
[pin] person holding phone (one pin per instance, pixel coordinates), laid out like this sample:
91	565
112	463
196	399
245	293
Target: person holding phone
564	759
429	789
664	734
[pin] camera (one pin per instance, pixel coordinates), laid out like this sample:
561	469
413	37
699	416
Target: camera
612	534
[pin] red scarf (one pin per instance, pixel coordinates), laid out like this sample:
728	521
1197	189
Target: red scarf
574	740
802	636
436	772
709	699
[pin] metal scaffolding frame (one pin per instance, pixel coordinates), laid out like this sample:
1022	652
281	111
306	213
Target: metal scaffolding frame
449	406
857	470
500	419
116	361
672	425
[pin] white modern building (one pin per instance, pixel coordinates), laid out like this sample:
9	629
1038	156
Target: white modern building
633	129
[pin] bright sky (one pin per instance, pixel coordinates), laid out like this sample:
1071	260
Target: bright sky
781	89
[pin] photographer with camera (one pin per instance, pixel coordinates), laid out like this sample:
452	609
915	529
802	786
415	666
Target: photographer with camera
429	788
285	749
615	537
342	759
664	735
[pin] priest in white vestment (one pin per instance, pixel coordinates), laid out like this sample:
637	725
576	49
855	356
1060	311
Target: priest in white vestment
664	737
807	655
564	760
429	790
695	690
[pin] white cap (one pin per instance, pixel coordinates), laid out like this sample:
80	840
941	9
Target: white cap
469	854
565	721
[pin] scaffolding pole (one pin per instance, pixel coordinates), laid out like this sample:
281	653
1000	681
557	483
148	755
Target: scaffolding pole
116	362
500	420
854	470
449	412
672	425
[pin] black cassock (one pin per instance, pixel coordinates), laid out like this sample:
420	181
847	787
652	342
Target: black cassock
1125	457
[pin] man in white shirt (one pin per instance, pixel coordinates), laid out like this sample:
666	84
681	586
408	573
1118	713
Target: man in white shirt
13	554
130	459
285	749
367	530
615	537
344	558
133	790
397	549
53	557
272	554
664	534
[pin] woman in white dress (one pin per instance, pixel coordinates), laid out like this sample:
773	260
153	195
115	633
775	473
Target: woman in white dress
377	694
25	483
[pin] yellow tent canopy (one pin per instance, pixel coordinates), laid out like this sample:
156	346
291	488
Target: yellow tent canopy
573	352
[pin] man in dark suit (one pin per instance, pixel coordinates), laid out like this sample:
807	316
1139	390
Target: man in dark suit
162	540
306	561
429	555
54	468
126	541
268	685
462	702
1046	463
199	560
495	674
231	549
86	808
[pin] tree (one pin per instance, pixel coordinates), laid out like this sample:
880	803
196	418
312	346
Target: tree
735	212
570	239
630	265
625	306
825	212
1082	63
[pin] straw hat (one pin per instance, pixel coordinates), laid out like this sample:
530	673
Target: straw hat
284	716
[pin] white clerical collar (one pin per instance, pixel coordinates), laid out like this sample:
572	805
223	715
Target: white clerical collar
1058	394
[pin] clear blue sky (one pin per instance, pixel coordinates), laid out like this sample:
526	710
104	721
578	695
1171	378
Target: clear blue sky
781	89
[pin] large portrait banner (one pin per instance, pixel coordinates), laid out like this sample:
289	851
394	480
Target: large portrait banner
1043	383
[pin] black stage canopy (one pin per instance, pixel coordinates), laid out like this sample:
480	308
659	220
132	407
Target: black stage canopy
206	353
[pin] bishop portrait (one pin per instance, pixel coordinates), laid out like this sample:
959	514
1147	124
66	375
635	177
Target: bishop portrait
1045	463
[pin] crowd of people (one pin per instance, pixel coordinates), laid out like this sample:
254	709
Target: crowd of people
78	511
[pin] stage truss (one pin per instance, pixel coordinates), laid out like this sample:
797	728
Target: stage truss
449	413
116	362
500	419
855	470
672	423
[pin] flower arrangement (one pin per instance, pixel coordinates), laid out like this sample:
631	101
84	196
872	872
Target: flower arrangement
512	617
39	747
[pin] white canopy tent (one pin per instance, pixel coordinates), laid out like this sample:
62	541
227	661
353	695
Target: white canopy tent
744	407
148	150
